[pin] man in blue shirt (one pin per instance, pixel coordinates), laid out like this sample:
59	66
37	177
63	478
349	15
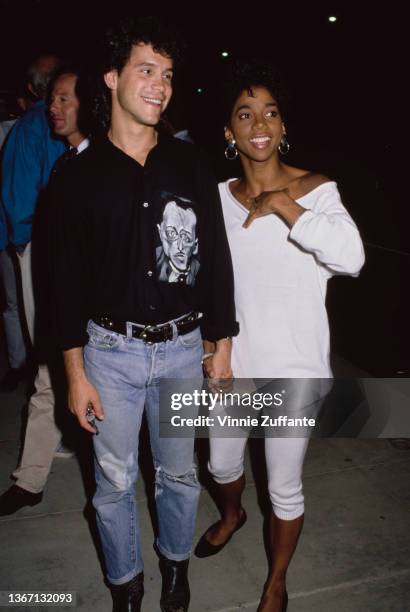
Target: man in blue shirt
28	158
29	155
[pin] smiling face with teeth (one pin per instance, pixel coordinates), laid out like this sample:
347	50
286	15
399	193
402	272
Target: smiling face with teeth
256	124
142	90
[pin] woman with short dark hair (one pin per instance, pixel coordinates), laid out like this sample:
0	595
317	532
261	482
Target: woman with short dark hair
289	233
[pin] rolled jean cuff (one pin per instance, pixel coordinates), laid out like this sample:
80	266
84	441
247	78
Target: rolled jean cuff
289	516
172	556
124	579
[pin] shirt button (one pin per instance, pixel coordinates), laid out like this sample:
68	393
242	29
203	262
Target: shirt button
151	307
145	205
149	272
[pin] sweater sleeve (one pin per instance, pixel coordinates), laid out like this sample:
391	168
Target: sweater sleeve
219	320
328	231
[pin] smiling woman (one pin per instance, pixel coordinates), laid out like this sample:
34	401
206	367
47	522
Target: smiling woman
288	233
257	104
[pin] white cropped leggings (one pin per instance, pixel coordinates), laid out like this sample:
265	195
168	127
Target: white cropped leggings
284	462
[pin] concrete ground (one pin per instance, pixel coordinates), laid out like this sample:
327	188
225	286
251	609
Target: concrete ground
353	555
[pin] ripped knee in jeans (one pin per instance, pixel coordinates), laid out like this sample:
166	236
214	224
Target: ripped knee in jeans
188	478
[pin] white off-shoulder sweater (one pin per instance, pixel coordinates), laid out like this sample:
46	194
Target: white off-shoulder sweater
280	283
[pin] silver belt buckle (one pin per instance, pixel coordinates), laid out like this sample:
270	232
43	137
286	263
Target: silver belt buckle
144	335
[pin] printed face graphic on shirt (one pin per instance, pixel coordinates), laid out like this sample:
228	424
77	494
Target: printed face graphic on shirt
177	233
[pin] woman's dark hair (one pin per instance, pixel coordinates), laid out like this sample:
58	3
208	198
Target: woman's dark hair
244	75
117	45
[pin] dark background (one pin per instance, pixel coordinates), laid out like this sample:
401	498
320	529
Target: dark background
347	120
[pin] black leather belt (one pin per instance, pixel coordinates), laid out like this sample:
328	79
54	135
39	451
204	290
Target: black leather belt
151	333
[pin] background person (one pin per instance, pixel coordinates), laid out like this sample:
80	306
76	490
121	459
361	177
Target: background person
44	432
28	158
10	109
288	233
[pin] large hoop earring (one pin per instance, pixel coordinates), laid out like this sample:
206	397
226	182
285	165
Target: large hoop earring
231	152
284	145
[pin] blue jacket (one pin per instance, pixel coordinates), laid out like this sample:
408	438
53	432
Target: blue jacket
28	156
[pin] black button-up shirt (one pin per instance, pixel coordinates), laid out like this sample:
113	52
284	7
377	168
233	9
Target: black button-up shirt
140	243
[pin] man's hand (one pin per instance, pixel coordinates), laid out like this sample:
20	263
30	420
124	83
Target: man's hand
208	366
82	395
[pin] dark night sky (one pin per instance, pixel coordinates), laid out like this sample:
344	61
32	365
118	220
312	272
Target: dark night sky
344	78
348	119
335	71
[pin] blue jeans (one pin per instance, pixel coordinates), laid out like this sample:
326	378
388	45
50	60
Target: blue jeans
126	373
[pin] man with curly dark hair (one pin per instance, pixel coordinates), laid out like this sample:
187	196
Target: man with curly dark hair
122	324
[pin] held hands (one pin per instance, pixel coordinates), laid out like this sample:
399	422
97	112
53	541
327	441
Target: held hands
214	368
278	202
83	402
217	367
207	365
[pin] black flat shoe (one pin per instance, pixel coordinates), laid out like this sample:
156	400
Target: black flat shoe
204	548
15	498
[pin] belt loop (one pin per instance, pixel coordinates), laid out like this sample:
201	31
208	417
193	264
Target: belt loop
128	326
174	330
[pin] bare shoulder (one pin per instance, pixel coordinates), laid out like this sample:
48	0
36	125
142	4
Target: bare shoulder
310	181
307	182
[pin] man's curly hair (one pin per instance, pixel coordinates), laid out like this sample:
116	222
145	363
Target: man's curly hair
244	75
117	45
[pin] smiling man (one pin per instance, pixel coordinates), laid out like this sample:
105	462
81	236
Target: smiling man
121	325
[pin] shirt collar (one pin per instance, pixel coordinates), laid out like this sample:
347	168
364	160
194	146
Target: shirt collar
104	141
83	145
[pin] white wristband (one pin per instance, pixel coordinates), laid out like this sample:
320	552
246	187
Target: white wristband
206	356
